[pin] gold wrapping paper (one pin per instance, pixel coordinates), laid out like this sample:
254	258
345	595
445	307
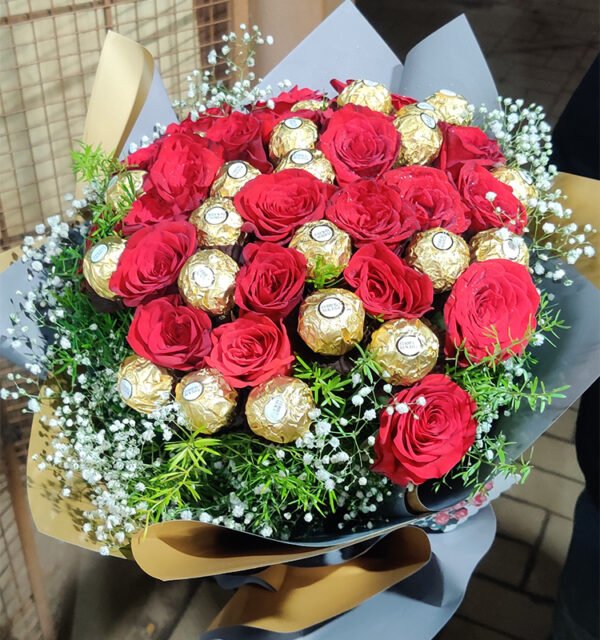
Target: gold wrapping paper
310	105
499	243
292	133
207	281
416	108
331	321
406	350
278	409
100	262
142	385
123	184
420	138
310	160
440	254
367	93
232	176
322	242
206	400
451	107
519	181
218	222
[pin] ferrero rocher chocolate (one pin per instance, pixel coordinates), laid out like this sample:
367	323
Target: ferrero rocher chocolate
218	222
322	243
206	399
520	182
367	93
451	107
310	105
416	107
129	184
292	133
440	254
142	385
331	321
310	160
499	243
100	262
207	281
232	177
278	410
406	350
420	138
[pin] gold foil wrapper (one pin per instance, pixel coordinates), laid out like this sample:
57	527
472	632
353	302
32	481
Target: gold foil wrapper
499	243
278	410
100	262
206	399
310	105
232	177
207	281
416	108
420	138
451	107
218	222
367	93
309	160
292	133
519	181
142	385
331	321
440	254
321	242
406	350
121	185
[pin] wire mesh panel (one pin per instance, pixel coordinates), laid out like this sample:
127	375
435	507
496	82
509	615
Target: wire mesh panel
48	55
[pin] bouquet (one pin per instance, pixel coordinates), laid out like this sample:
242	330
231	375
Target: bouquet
300	315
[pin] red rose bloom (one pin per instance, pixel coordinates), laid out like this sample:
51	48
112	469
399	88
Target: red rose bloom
147	210
240	138
474	183
170	334
287	99
387	286
275	205
434	199
250	350
491	310
152	260
359	143
427	441
371	211
271	282
183	170
462	144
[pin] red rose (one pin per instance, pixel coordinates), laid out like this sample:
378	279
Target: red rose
287	99
434	199
491	311
429	440
240	138
271	282
387	286
359	143
170	334
147	210
505	210
250	350
371	211
275	205
152	260
183	170
462	144
202	123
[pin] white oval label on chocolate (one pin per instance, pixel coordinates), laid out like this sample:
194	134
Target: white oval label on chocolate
203	276
293	123
302	156
98	252
237	170
370	83
321	233
192	391
425	106
331	307
442	241
511	249
409	345
216	215
526	176
428	121
447	92
275	409
125	389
